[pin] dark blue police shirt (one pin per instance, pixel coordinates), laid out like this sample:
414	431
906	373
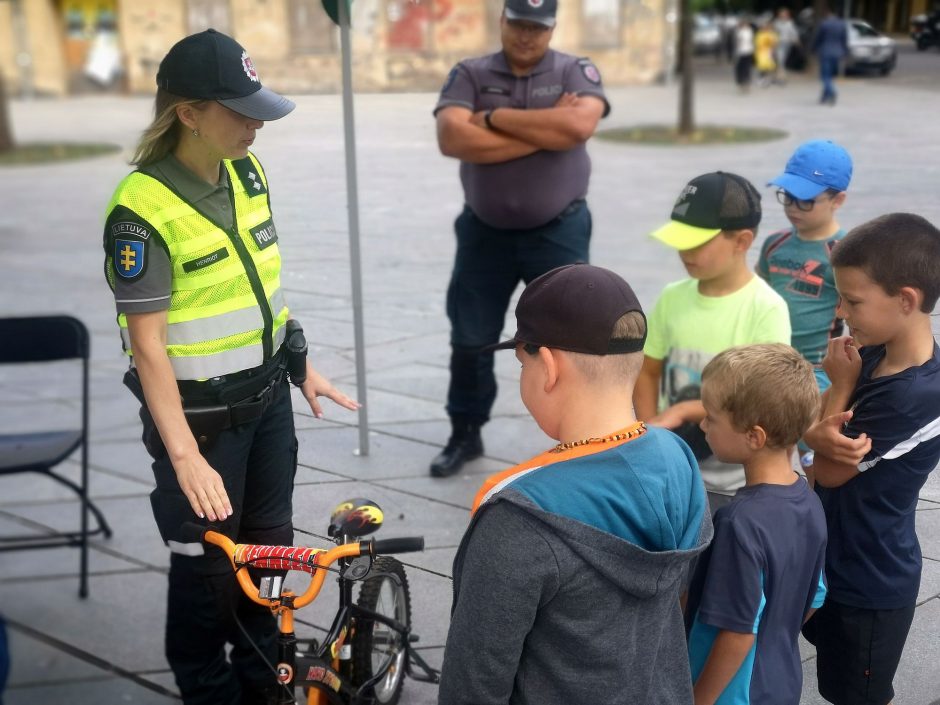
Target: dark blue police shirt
873	560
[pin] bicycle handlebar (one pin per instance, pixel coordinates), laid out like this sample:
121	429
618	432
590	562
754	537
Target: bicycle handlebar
309	560
403	544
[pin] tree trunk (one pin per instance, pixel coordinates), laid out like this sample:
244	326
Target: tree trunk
6	132
687	82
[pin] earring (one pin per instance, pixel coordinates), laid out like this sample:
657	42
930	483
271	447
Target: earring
195	133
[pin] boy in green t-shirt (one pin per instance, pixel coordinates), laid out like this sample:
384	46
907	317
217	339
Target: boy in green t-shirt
721	305
795	261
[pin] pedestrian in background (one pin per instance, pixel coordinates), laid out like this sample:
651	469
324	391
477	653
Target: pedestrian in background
191	254
743	54
518	121
765	44
788	41
830	45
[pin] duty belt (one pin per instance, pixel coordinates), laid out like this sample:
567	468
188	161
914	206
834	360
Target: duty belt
207	418
207	422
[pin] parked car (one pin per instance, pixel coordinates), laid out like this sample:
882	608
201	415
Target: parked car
706	35
869	49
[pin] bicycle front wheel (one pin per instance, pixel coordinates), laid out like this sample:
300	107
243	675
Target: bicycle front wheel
377	648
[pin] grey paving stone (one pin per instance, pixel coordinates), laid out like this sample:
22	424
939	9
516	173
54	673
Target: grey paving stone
95	692
36	487
333	450
121	621
135	535
928	532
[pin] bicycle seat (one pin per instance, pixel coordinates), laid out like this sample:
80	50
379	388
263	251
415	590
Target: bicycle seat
355	517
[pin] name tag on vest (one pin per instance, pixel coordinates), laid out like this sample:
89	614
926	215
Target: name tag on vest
205	261
265	234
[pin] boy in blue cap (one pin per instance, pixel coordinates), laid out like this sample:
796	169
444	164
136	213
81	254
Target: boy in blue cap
795	262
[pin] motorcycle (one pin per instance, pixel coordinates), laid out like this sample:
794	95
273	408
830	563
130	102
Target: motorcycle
925	30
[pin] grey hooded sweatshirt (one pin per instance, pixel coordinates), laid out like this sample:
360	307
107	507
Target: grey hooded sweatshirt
567	582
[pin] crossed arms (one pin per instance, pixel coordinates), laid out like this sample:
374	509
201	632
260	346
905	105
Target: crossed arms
463	134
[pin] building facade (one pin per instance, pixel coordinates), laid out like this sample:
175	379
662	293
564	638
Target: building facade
60	47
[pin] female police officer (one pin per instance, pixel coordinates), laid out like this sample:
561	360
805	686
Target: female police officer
192	258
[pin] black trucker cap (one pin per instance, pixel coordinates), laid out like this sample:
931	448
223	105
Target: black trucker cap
707	205
212	66
574	308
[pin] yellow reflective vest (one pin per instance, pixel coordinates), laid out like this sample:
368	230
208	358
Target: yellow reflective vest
228	313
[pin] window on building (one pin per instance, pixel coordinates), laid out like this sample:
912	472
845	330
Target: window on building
203	14
600	24
311	29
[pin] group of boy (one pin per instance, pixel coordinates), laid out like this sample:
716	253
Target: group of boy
567	583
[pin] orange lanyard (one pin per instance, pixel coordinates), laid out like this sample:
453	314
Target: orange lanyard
550	457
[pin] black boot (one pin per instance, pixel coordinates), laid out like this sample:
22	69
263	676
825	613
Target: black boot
465	444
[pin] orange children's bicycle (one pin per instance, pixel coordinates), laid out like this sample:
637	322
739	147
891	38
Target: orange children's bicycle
368	649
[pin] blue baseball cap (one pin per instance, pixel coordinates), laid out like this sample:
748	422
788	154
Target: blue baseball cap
814	167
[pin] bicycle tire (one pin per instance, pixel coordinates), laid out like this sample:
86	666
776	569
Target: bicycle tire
386	592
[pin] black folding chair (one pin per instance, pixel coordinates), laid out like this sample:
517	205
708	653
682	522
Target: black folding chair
47	339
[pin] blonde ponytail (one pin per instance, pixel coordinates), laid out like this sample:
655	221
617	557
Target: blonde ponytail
162	136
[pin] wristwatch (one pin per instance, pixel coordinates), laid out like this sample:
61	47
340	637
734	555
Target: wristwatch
487	118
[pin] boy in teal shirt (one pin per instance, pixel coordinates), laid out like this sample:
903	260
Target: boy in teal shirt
721	305
795	262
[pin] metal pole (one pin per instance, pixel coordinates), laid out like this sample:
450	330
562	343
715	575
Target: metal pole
352	195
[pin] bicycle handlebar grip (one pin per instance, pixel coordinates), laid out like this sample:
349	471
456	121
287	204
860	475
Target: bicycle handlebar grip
404	544
191	532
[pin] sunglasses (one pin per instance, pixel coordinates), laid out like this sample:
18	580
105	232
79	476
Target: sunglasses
787	199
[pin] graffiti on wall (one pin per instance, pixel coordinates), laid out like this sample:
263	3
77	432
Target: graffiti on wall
433	25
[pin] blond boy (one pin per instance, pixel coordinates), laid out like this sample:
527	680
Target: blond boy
762	576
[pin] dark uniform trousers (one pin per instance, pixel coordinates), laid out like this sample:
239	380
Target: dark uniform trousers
490	262
257	461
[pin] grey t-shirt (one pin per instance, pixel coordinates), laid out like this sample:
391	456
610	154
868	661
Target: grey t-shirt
141	266
529	191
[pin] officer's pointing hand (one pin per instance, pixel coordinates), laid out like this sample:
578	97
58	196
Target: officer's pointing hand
203	488
317	385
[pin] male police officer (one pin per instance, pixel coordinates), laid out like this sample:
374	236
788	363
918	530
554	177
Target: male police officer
518	121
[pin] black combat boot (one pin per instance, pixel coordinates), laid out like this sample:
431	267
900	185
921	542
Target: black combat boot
465	444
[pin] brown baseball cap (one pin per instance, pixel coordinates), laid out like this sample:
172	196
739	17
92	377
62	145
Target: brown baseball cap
575	308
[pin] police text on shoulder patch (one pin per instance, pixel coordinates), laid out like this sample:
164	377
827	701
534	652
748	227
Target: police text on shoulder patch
265	234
